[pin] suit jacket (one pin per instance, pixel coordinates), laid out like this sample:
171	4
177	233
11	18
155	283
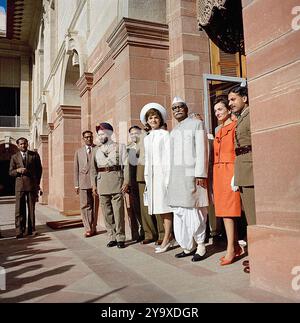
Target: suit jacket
243	167
140	169
107	155
82	178
30	181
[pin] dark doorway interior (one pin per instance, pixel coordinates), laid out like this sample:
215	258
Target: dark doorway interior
7	183
9	107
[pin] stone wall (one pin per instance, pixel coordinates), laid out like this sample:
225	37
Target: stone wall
273	64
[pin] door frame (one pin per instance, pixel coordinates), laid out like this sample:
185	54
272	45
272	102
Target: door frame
214	77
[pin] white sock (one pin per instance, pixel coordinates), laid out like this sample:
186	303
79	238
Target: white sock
201	250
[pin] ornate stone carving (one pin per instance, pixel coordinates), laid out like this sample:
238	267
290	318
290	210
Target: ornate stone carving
205	9
222	21
70	43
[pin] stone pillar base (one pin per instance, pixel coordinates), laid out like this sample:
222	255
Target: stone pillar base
275	260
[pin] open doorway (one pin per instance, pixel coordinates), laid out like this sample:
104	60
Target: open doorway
215	85
7	183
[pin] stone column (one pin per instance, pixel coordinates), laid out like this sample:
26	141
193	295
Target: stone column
189	53
273	64
65	139
85	84
25	93
43	151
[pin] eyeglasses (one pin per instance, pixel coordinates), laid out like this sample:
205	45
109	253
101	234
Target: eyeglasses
87	137
178	107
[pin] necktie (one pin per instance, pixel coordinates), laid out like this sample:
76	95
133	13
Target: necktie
89	152
24	160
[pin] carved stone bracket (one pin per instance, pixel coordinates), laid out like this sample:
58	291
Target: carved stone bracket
85	83
68	112
138	33
44	139
50	127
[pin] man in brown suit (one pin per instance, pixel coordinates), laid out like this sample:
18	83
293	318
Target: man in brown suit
26	167
83	187
110	179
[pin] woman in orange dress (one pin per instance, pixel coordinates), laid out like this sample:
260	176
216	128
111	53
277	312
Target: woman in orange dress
226	198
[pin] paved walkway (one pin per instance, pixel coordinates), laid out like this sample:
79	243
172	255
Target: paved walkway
63	266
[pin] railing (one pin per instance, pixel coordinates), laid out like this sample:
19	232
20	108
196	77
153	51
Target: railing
10	121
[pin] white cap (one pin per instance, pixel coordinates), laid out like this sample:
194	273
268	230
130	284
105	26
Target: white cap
178	99
149	106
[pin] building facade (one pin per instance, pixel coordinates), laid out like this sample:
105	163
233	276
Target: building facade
79	62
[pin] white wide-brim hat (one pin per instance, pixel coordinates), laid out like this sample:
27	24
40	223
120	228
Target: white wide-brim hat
152	105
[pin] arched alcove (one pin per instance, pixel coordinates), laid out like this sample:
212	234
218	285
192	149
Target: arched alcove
71	95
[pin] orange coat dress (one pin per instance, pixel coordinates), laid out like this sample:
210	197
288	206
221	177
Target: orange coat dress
227	203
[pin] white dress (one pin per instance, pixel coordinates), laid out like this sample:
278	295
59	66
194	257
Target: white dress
157	170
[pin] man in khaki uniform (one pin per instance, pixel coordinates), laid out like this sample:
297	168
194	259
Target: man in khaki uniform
243	168
110	180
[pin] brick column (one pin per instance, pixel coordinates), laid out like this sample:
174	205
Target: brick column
65	139
43	151
189	53
85	84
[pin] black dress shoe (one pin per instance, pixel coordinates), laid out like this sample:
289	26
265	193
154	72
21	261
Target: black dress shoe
139	239
147	241
19	236
121	244
111	244
197	257
245	263
158	242
183	254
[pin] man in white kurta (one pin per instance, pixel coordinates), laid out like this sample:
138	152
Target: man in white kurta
187	191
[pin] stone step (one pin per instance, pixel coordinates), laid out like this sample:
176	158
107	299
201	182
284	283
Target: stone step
7	199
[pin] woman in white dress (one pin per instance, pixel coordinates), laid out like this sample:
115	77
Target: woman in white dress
157	169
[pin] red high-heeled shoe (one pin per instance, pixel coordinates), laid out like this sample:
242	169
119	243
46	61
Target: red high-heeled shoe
238	252
225	261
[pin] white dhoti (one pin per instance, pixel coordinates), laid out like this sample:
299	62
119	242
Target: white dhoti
189	226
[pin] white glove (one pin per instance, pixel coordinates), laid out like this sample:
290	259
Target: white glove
145	197
233	187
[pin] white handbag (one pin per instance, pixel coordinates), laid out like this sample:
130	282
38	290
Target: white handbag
145	197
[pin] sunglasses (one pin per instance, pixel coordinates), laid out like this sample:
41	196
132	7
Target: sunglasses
178	107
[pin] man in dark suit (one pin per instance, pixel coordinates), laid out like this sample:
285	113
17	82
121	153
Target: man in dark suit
88	202
134	211
26	167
